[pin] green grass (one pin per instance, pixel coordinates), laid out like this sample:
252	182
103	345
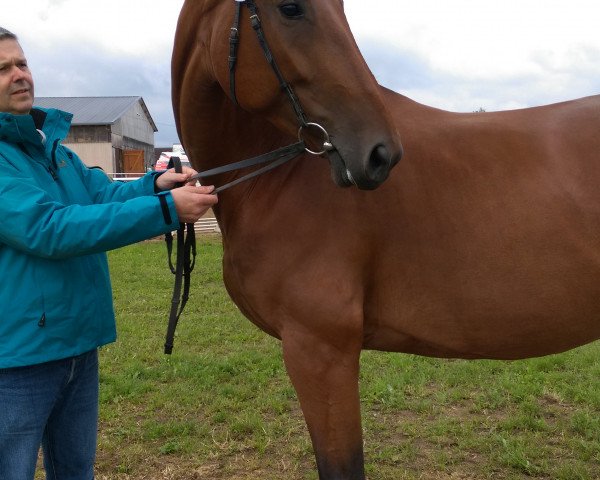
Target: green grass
222	407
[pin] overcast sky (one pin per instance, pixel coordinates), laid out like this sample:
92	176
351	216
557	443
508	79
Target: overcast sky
459	55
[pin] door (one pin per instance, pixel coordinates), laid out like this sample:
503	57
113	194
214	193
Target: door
133	161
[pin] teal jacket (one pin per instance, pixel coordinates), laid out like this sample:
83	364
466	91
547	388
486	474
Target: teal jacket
57	220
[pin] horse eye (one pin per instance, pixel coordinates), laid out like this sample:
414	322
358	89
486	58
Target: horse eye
291	10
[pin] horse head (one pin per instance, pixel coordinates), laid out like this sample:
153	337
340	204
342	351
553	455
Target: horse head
311	72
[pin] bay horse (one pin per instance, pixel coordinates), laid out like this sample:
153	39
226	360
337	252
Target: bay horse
483	242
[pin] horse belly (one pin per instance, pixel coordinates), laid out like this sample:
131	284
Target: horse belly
492	307
491	338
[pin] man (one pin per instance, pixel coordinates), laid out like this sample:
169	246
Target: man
58	217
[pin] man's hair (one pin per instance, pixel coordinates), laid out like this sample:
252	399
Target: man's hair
6	34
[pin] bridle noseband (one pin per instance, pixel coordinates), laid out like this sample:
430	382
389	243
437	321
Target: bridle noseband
186	248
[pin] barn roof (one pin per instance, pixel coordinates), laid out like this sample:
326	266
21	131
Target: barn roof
94	110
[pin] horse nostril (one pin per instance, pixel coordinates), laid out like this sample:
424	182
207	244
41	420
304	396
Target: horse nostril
379	163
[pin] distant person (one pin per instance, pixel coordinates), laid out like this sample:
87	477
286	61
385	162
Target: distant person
58	218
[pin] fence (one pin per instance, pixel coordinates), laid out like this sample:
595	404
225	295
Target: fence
207	225
125	177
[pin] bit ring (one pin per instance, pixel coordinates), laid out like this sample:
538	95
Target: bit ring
327	145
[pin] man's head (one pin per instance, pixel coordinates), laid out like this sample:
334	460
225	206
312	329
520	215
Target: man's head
16	82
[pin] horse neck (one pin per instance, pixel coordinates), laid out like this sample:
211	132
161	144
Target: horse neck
221	133
226	133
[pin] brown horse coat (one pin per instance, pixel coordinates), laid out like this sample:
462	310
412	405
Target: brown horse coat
483	243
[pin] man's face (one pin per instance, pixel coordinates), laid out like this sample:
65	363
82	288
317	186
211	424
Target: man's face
16	82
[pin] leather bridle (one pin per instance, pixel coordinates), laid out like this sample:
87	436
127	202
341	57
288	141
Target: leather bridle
281	155
186	247
234	40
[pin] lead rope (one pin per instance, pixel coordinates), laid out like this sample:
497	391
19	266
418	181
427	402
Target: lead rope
186	235
184	264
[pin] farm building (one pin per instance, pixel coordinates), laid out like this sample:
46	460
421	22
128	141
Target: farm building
114	133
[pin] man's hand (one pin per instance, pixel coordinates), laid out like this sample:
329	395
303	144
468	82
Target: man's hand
169	179
192	202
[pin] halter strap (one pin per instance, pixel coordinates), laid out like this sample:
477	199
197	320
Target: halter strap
234	41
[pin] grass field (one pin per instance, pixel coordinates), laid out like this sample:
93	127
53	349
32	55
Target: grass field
222	407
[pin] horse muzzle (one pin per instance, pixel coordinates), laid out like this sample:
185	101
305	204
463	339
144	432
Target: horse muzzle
368	175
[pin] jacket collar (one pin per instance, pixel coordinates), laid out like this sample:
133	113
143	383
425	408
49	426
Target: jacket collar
23	128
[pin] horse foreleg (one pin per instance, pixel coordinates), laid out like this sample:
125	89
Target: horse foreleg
325	377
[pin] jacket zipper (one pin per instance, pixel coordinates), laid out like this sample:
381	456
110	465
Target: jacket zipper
52	168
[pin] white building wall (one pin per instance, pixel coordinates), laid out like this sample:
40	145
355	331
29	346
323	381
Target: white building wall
95	154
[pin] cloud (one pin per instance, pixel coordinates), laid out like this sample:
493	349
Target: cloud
550	79
45	12
108	48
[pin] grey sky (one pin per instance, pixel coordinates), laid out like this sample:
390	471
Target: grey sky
459	55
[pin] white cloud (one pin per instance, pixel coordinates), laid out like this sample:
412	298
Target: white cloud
467	54
474	36
113	47
118	26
